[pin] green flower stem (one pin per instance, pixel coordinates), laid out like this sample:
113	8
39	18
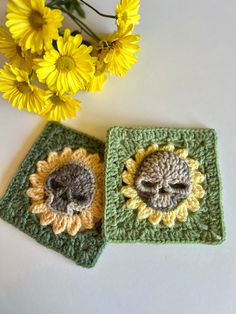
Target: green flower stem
99	13
81	24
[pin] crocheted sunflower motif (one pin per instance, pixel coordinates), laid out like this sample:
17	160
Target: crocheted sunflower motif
66	191
163	184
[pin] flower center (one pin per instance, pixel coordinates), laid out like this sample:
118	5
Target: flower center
23	87
36	20
65	64
18	50
56	100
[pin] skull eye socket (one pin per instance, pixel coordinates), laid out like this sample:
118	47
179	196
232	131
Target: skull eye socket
54	184
148	184
81	198
178	186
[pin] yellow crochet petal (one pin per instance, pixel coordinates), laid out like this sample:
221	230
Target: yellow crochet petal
36	180
128	191
151	149
193	164
139	156
169	218
43	167
131	165
59	224
79	154
92	159
198	191
37	194
197	177
192	203
127	178
182	212
169	147
38	208
86	219
155	218
66	154
47	218
73	225
182	152
144	211
134	203
53	158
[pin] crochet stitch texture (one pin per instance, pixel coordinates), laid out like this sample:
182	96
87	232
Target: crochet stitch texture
121	223
85	247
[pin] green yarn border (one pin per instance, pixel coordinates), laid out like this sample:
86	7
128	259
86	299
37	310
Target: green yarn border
120	223
83	248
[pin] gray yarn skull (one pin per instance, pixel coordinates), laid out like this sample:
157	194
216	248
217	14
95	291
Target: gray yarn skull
162	180
70	188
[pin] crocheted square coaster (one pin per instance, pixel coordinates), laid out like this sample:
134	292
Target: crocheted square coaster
162	185
56	196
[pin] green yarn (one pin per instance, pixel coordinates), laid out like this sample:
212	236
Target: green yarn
121	223
83	248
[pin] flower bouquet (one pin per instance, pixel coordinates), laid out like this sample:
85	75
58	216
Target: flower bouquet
48	64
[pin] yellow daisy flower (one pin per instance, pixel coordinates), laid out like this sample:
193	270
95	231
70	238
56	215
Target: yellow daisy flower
127	12
59	106
17	57
31	24
17	88
67	191
68	69
173	195
99	78
118	50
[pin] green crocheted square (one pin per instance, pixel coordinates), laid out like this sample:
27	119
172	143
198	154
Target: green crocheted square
162	185
83	247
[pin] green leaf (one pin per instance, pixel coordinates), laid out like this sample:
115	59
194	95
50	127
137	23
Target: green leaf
79	10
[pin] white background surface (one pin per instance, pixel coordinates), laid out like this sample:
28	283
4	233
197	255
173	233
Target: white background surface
186	77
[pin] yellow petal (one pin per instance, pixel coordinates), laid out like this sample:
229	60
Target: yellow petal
92	159
192	203
36	180
134	203
198	191
53	158
59	224
66	154
38	208
182	212
128	191
73	225
144	211
87	219
197	177
43	167
182	152
128	178
168	218
131	166
139	156
37	194
155	218
193	164
168	148
79	154
151	149
47	218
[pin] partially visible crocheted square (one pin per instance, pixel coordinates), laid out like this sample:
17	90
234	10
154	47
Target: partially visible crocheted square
162	185
56	196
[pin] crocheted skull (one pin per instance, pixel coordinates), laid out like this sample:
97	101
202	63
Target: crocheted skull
162	180
70	188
